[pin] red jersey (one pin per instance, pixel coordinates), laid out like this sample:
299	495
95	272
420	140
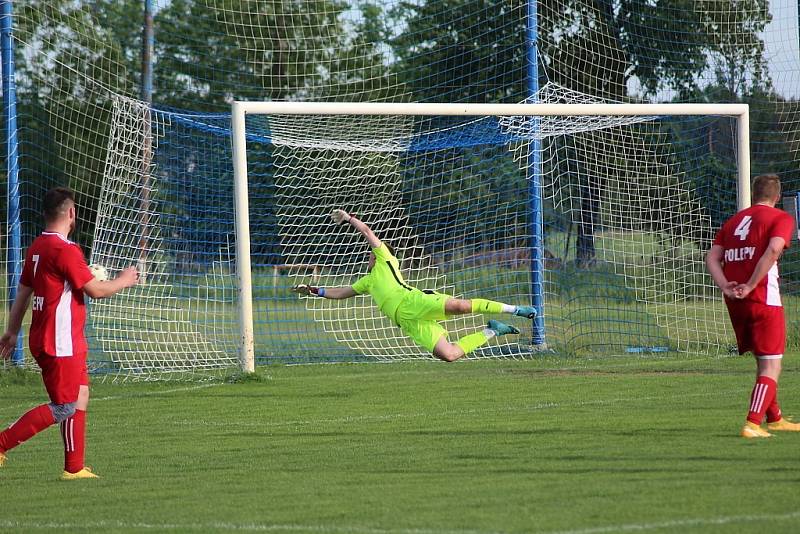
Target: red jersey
745	238
56	270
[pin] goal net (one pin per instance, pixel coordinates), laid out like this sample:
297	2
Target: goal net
597	219
485	206
600	221
157	210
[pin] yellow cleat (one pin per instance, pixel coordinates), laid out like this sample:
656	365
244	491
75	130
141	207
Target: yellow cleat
783	425
86	472
750	430
2	459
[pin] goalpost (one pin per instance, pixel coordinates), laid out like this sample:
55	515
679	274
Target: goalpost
370	143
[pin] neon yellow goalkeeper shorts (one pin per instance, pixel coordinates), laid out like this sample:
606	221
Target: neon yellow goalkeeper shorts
417	315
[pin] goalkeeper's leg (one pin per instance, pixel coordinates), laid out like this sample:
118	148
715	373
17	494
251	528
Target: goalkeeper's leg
458	306
444	350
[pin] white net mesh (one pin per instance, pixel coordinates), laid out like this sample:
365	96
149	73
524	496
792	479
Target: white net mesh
175	320
455	202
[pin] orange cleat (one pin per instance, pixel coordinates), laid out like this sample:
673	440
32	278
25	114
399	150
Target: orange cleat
86	472
751	430
783	425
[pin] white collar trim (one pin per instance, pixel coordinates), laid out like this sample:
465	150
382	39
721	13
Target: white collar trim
64	239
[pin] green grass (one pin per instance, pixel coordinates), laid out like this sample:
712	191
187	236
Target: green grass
552	445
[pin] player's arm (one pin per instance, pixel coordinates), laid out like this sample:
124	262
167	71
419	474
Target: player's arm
327	292
765	263
714	262
8	342
100	289
341	217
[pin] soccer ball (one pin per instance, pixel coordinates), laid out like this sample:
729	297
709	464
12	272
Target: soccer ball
100	273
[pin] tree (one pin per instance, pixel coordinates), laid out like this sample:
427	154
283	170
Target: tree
708	145
600	46
211	52
75	56
608	47
67	68
461	50
736	50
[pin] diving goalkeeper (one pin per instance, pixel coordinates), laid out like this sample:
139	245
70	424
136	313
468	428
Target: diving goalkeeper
416	312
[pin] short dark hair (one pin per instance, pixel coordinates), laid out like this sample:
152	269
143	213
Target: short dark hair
766	187
55	202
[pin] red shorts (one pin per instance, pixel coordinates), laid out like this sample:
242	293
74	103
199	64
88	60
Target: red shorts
759	328
63	376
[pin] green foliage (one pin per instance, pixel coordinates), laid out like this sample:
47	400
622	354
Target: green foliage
663	45
210	52
479	180
461	50
708	146
67	66
122	22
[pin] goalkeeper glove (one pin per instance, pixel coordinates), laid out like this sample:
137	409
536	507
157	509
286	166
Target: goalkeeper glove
305	289
340	216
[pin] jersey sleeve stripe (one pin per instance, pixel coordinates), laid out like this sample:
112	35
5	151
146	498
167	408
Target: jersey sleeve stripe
397	278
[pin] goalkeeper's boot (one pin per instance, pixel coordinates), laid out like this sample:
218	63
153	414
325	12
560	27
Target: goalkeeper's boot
2	459
783	425
501	328
752	430
528	312
86	472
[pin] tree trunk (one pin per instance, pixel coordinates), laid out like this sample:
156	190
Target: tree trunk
587	221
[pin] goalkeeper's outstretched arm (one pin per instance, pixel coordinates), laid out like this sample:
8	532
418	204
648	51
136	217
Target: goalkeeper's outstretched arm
341	217
327	292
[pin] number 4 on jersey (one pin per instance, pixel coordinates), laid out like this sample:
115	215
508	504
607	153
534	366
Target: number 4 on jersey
744	227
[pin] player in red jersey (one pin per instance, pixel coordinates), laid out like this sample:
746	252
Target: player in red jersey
744	263
54	279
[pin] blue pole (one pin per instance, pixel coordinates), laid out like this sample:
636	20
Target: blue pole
148	42
12	161
535	182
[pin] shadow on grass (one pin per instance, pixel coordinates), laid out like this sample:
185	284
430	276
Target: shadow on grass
257	377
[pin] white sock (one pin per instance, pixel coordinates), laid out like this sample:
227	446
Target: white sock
507	308
489	333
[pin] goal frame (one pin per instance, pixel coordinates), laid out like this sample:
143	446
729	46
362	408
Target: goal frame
240	110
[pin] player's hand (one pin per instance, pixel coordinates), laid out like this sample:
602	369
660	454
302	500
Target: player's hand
8	344
304	289
729	290
742	290
340	216
129	276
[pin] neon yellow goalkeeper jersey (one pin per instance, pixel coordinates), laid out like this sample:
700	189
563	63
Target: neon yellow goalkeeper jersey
384	282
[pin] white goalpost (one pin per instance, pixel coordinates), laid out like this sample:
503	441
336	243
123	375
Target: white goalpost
639	194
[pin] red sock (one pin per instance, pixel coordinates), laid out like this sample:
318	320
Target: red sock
761	398
774	409
73	432
27	426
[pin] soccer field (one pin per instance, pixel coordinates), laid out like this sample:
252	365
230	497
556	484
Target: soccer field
584	446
